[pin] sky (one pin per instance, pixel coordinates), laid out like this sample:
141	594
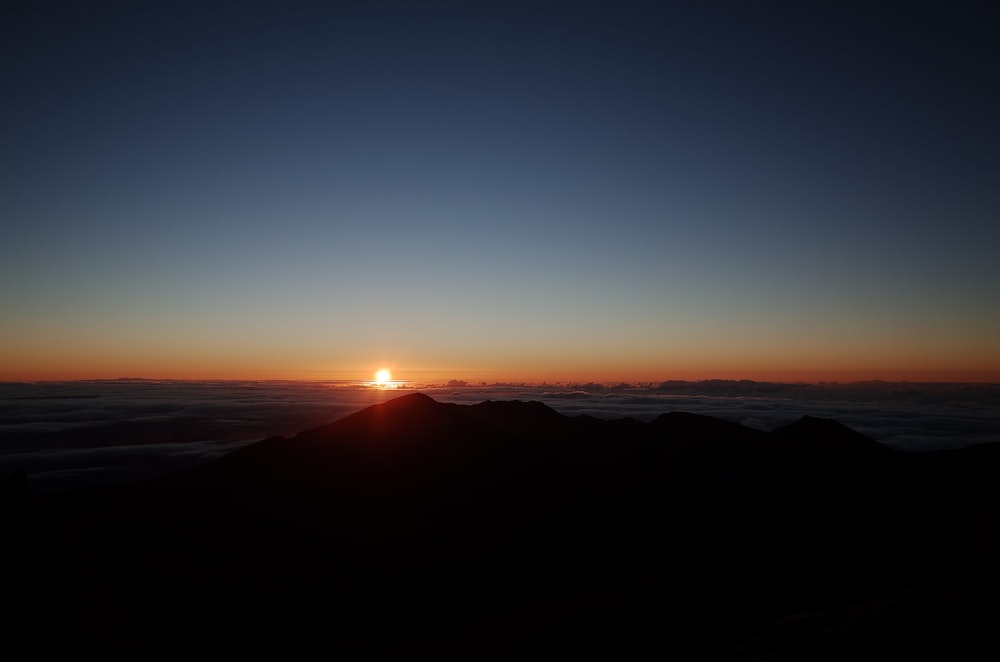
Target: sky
532	191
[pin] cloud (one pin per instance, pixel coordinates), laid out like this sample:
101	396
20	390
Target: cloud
915	417
76	433
76	467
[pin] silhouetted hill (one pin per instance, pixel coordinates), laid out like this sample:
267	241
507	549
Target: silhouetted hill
696	427
504	530
811	436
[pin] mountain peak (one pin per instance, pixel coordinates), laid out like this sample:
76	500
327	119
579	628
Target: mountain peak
811	435
412	415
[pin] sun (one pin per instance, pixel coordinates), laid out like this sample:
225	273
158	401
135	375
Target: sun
383	377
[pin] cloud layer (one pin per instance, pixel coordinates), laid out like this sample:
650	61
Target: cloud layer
68	434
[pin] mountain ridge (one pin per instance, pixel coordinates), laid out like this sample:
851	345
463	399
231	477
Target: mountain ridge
686	526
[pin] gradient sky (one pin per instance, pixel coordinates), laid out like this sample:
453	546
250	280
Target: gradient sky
500	190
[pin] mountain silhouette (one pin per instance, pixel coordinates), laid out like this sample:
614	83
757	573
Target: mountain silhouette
507	530
813	436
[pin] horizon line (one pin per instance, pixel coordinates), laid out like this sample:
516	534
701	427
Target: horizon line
472	382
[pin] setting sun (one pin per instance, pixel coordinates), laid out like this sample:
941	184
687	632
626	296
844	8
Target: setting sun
383	377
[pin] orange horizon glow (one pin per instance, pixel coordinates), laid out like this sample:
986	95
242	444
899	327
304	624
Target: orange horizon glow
512	362
425	375
422	353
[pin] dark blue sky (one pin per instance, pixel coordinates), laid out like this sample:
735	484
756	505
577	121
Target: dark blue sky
537	190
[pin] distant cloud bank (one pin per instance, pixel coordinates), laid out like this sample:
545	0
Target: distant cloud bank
66	434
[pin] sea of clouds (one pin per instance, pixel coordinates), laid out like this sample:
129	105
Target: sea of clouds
70	434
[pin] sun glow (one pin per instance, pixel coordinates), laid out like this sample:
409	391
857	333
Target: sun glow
383	378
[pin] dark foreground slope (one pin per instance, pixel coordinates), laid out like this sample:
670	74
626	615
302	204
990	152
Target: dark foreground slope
507	531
